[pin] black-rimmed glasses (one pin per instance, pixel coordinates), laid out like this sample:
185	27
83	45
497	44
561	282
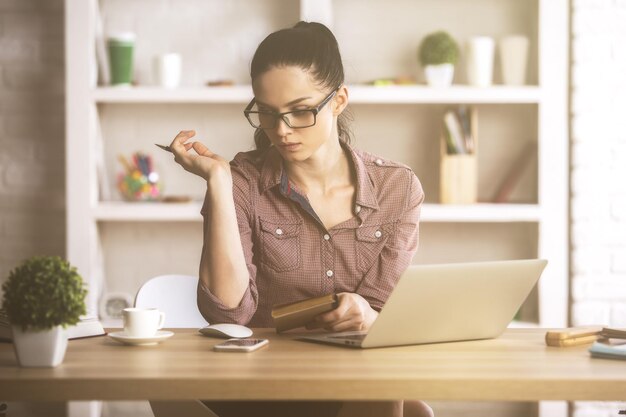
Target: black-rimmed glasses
295	119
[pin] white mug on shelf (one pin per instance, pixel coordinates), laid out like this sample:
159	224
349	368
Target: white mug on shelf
480	51
513	51
142	322
167	70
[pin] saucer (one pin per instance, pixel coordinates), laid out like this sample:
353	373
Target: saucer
160	336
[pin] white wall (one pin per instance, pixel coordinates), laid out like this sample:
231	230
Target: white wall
598	171
598	200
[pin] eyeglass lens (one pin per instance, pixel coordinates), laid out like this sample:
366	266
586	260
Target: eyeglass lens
297	119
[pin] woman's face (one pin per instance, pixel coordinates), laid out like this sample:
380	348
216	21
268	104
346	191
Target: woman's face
283	89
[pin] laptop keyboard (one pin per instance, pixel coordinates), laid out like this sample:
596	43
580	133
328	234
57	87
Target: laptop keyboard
350	337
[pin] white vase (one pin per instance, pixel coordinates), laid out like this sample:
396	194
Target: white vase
439	75
513	56
41	348
480	52
167	70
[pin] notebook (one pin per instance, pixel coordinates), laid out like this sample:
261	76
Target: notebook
445	303
292	315
88	326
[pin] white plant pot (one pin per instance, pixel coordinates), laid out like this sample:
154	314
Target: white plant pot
439	75
42	348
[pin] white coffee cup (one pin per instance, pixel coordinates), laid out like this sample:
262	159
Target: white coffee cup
480	51
513	51
167	70
142	322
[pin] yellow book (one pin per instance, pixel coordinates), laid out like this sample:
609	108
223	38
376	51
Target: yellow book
292	315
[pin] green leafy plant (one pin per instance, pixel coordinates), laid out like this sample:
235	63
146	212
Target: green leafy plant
44	292
438	48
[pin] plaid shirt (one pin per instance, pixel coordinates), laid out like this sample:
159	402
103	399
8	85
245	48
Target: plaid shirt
291	255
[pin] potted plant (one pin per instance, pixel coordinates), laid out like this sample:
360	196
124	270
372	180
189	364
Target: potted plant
438	53
42	296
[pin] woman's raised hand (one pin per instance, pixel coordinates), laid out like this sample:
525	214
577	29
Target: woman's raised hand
203	163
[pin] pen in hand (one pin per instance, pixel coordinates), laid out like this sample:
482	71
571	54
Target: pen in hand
165	148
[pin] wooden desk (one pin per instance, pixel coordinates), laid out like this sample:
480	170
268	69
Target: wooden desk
516	366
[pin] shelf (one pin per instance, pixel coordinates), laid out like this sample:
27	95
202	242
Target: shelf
481	212
235	94
359	94
148	211
174	212
456	94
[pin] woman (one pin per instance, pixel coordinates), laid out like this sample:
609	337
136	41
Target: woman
305	214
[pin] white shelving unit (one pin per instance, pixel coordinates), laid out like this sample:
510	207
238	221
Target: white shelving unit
190	212
359	94
545	100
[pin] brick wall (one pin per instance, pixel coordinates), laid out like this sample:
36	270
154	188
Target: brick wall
598	199
598	170
32	190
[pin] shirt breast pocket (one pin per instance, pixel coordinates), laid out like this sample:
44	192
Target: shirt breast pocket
280	245
370	241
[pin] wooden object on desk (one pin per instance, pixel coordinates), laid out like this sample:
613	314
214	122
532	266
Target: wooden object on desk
517	366
458	172
573	336
293	315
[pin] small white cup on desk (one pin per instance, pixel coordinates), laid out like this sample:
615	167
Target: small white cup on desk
142	322
167	70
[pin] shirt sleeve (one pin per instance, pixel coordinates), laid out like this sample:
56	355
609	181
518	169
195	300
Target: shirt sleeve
210	306
396	255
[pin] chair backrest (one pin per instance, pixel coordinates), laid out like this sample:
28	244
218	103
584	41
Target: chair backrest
176	296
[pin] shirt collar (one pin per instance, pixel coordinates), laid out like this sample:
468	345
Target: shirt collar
272	172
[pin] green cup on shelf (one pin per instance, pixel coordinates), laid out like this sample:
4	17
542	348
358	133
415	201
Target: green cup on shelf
121	46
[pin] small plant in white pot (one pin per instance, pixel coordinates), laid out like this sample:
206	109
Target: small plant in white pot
43	296
438	54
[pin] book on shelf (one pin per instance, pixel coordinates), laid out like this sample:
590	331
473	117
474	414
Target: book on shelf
512	178
458	131
102	58
88	326
104	187
293	315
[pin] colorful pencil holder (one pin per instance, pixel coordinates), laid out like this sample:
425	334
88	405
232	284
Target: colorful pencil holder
139	181
136	186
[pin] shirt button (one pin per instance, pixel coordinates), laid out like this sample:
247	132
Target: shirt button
327	237
378	233
357	208
329	273
279	231
379	162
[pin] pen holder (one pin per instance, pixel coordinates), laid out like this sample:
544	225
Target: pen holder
458	179
136	186
458	171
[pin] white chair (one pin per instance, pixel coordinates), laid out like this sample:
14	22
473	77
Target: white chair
175	295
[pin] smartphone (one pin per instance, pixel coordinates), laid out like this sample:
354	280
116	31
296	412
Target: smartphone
240	345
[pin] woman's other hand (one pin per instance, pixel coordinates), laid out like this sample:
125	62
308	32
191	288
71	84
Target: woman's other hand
352	313
203	163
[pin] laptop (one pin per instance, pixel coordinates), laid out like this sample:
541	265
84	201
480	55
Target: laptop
446	303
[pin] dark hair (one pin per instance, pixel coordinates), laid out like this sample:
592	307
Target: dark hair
312	47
